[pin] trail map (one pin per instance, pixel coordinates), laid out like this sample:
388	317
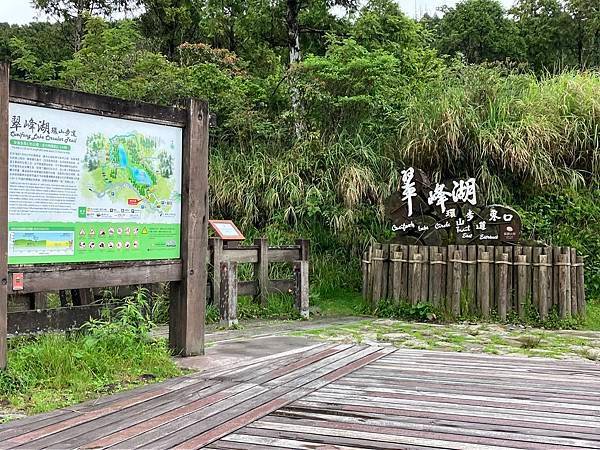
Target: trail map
90	188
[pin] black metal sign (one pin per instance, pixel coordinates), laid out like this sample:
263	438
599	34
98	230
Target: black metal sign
428	213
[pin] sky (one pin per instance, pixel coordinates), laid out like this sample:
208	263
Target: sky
21	11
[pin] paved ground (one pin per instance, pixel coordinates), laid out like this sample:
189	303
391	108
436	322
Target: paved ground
341	396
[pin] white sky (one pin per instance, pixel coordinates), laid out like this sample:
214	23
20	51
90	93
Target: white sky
21	11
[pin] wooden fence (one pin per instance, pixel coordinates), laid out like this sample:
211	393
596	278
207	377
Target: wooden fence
475	279
224	284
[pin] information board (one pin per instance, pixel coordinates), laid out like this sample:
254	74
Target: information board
86	188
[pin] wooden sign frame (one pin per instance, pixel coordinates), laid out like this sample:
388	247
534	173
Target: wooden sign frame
187	274
215	226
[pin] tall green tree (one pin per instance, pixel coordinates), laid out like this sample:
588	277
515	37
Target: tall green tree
544	26
586	31
74	11
480	30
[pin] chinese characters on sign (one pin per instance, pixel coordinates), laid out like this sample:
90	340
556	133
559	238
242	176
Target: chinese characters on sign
86	188
446	213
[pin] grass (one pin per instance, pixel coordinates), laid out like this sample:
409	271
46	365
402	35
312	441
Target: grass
338	302
592	320
53	370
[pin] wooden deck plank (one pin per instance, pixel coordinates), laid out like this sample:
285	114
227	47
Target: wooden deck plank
141	414
197	435
482	390
341	396
319	419
465	399
410	417
250	397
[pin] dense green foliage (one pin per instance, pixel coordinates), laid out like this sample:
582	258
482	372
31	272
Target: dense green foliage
312	149
55	370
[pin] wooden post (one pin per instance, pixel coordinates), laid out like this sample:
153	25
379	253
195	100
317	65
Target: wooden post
86	296
404	272
385	269
188	299
580	286
301	288
415	278
365	275
4	101
542	287
449	276
472	278
377	265
396	265
216	246
424	267
434	275
390	280
228	294
261	271
456	282
564	285
535	277
443	278
483	284
502	287
522	291
574	305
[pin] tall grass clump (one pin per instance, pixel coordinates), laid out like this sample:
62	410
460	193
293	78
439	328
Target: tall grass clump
507	129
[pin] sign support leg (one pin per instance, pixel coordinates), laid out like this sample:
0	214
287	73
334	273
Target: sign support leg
188	296
4	100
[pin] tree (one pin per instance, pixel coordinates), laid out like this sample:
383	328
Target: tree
74	11
544	27
480	30
586	30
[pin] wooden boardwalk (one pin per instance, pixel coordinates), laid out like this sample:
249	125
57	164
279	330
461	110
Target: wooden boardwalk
341	397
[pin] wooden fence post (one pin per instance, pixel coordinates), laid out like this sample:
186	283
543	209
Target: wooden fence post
580	286
365	275
434	275
564	285
483	284
404	273
456	282
522	286
472	278
216	244
424	252
502	286
377	265
385	268
397	275
4	101
228	296
301	289
449	276
261	271
535	277
573	274
542	287
390	272
415	278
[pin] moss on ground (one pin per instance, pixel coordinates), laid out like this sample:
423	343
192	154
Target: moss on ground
486	338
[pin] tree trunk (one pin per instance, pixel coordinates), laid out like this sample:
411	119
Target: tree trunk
293	31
